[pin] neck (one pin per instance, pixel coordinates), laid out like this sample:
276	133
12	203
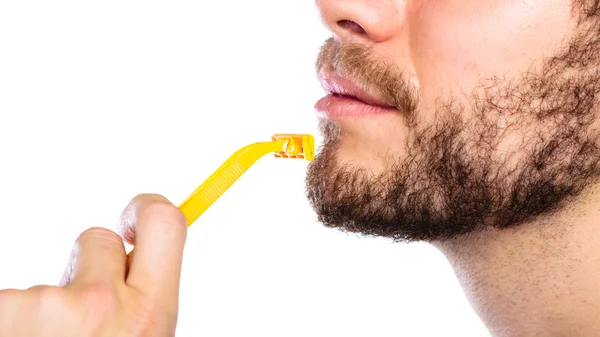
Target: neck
541	278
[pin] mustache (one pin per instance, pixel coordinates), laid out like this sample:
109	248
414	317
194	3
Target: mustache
359	64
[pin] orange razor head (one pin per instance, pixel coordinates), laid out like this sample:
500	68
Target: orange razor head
296	146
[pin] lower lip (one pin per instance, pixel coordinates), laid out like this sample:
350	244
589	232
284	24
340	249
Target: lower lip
334	107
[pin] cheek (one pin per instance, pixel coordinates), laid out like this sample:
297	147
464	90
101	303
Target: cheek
454	44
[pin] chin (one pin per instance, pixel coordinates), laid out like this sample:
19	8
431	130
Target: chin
369	144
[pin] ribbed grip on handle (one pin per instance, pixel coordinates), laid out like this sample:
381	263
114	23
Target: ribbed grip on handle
211	190
207	193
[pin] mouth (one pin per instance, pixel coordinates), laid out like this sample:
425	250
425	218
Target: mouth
346	99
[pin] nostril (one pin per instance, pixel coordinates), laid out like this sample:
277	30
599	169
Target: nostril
351	26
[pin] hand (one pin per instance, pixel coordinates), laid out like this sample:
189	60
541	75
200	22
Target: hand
100	294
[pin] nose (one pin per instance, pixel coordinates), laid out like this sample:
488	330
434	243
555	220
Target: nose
375	20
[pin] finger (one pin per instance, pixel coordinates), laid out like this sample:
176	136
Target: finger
14	305
10	300
158	230
20	310
98	257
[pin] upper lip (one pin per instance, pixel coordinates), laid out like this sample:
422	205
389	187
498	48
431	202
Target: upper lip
339	85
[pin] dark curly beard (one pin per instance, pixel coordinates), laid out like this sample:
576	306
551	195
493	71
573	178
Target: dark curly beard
452	180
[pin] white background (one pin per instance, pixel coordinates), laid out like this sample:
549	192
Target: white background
103	100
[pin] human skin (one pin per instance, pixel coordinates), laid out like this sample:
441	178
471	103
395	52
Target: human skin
533	274
491	154
100	294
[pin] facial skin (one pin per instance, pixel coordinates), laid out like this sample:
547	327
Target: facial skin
496	120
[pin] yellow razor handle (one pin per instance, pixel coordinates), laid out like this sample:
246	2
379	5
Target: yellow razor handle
295	146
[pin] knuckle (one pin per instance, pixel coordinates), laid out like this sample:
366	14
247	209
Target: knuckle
47	298
101	297
44	291
7	294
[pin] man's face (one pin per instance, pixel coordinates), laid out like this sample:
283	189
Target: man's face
461	114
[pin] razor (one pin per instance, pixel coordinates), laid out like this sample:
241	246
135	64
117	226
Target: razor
292	146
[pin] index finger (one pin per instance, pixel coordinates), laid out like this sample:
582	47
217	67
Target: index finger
158	230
